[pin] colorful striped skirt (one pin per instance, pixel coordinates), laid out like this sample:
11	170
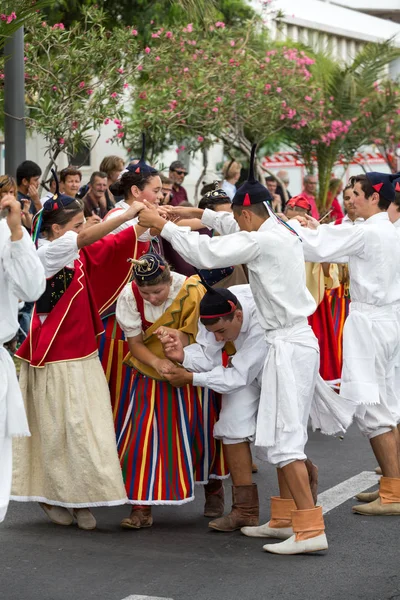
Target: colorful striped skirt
166	443
112	350
340	307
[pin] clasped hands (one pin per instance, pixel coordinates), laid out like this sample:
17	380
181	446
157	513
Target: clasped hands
173	343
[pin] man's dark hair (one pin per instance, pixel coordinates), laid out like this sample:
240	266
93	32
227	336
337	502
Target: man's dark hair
396	201
259	209
27	170
270	178
70	171
100	174
368	190
226	318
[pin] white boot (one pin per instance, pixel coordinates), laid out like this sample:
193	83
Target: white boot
265	531
290	546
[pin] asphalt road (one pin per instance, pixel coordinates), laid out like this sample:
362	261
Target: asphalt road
179	558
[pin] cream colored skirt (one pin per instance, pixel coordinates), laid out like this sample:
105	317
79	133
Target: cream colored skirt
71	459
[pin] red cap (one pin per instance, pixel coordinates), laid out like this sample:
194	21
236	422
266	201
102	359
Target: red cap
300	201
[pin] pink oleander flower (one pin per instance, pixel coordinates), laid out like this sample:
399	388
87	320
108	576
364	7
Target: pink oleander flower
74	124
90	92
185	70
11	17
232	43
215	109
126	85
107	141
218	99
147	50
120	70
169	34
200	138
157	58
61	141
106	121
220	24
117	121
82	84
54	88
143	95
308	98
267	87
279	89
189	28
44	24
140	68
134	32
120	135
114	95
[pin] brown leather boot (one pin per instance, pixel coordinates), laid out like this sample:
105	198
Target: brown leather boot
214	493
245	509
139	517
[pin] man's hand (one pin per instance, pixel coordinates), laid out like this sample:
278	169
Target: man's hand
149	217
10	203
311	222
33	193
171	343
179	377
175	213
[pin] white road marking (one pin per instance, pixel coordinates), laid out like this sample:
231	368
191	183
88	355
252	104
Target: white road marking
145	598
342	492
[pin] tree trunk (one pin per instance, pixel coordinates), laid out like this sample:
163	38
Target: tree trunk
202	174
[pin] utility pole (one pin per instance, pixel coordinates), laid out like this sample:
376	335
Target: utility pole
14	102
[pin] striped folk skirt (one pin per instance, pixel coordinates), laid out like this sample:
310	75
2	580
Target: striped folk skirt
340	307
166	443
112	350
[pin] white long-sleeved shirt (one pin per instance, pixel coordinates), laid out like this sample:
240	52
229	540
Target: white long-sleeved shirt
274	258
204	357
373	251
21	278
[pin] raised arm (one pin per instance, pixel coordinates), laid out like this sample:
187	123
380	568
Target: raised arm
96	232
330	244
23	268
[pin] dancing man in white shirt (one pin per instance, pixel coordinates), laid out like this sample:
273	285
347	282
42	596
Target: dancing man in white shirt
21	277
229	323
275	260
371	337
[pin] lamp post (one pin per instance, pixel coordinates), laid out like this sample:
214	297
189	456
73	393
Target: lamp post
14	102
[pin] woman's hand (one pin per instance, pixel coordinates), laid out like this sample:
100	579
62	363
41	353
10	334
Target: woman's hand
134	210
163	366
171	343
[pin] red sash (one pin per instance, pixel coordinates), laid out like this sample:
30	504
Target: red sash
140	306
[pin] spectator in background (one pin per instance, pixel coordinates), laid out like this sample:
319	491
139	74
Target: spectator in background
177	173
231	172
272	184
310	183
9	186
113	166
335	188
71	178
166	189
95	201
28	178
284	177
50	187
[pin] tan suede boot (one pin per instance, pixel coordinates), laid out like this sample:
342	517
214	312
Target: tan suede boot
280	524
309	534
388	502
368	496
245	509
140	517
214	504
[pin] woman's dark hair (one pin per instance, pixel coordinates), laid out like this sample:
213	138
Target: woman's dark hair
211	203
122	187
368	190
60	216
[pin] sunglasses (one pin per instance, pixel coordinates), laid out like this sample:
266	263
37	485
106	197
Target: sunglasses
180	172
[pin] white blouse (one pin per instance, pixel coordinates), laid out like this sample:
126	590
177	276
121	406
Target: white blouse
127	312
57	254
